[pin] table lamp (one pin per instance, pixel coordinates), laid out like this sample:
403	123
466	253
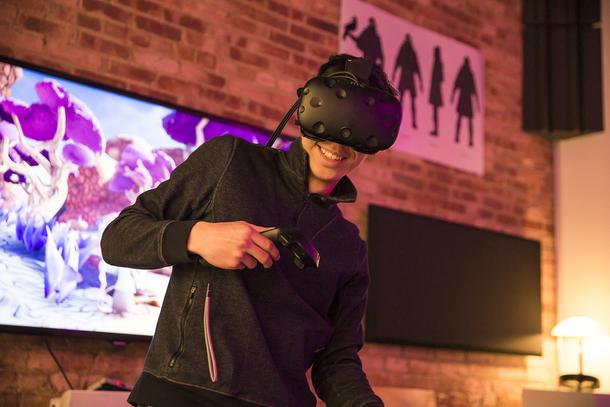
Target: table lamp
578	327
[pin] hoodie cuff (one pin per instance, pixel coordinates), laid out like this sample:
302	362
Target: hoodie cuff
174	239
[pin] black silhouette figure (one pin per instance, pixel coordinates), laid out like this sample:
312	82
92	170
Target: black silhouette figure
436	95
368	41
409	67
349	27
466	85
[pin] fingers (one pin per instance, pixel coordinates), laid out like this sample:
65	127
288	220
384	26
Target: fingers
260	255
248	262
266	245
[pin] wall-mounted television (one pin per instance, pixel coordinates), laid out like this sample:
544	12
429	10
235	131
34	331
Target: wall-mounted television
73	154
440	284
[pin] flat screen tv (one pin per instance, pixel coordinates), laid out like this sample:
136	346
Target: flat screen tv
441	284
72	155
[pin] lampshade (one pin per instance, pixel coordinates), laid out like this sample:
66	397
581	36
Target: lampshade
579	327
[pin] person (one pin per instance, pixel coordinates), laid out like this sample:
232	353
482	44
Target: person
436	94
465	83
240	324
408	63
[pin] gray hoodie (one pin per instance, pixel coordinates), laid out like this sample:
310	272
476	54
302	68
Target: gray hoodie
252	334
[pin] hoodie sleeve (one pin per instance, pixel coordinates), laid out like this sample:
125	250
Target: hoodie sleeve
337	374
153	232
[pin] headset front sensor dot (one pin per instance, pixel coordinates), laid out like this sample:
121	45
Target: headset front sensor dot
315	102
319	128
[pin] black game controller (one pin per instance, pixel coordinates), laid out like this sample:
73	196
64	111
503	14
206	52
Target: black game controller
304	254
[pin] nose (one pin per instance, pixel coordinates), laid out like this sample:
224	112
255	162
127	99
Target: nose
339	148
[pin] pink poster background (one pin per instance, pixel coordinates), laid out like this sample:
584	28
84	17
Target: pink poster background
441	148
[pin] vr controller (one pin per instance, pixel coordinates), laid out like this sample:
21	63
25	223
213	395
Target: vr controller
304	254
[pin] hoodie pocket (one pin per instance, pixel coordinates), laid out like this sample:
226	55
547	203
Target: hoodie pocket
185	312
207	335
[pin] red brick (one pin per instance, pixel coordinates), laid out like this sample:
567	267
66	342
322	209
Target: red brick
305	62
465	196
269	19
320	52
393	192
175	85
139	39
89	41
152	93
63	14
132	72
155	27
287	41
214	95
297	15
453	207
271	113
110	11
9	14
438	189
206	59
408	181
244	24
278	8
186	53
322	25
305	33
150	8
155	61
115	30
265	48
41	26
92	23
248	57
193	23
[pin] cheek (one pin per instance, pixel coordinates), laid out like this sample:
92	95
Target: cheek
357	161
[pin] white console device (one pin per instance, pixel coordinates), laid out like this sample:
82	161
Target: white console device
91	398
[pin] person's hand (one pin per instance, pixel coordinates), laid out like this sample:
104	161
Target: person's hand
232	245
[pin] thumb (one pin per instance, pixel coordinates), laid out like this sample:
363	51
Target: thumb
260	229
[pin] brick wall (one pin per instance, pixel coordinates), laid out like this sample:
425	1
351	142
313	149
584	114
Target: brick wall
244	60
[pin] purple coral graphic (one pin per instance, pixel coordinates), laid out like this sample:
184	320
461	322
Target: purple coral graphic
181	127
68	134
79	155
81	124
140	168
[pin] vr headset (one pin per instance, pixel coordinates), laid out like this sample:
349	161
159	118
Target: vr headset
340	106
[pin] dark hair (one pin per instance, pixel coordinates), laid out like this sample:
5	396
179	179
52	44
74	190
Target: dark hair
378	78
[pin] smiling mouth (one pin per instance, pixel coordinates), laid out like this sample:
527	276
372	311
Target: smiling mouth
330	154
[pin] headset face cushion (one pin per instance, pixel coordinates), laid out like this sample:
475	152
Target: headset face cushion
340	110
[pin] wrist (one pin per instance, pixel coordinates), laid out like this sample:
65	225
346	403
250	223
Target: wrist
194	237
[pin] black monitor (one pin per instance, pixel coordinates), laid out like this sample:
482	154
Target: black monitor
442	284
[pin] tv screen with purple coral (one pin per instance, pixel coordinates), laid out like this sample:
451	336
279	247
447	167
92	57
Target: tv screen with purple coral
73	154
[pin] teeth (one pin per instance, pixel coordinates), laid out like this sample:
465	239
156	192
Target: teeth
330	154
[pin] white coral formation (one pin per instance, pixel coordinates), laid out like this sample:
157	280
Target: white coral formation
46	184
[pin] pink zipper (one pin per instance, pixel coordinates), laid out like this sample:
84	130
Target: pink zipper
209	347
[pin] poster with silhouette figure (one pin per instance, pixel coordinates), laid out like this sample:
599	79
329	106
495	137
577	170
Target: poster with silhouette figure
440	82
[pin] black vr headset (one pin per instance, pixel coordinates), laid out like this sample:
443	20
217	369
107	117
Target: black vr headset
340	106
